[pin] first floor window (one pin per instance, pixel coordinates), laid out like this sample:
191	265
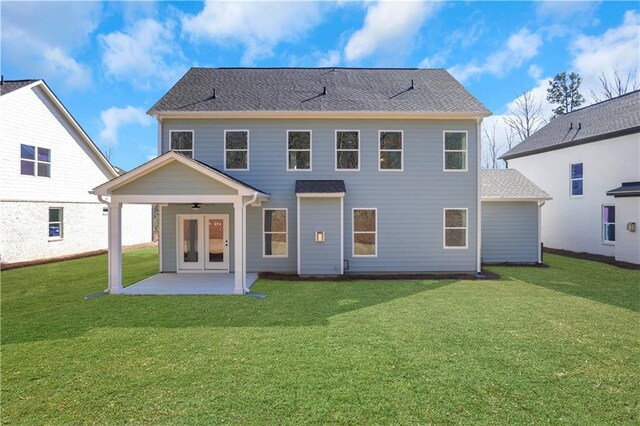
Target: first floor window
576	179
275	232
55	222
347	150
390	150
455	228
236	149
455	151
365	229
35	161
182	142
299	150
609	224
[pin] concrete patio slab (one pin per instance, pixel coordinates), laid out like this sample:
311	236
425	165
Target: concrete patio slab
190	283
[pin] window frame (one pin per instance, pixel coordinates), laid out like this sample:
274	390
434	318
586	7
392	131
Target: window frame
571	179
193	142
353	232
288	150
401	150
445	150
264	232
224	146
60	224
603	223
36	161
335	147
444	229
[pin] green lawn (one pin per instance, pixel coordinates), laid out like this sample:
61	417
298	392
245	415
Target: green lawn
556	345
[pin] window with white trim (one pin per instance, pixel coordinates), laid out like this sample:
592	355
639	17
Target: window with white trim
298	150
455	151
609	224
455	228
236	149
55	222
347	150
35	161
275	233
577	182
365	232
181	141
390	150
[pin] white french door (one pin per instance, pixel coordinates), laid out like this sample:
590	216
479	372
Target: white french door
203	242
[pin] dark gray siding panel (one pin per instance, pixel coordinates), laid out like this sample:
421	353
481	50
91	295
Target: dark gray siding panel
510	232
320	214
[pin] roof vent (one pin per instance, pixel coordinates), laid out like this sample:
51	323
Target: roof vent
579	126
213	94
324	90
571	126
412	86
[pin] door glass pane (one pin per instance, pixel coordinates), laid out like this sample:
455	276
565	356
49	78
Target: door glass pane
190	240
216	240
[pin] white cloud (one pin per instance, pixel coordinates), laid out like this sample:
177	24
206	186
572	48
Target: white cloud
519	48
41	37
389	27
534	71
577	11
143	54
259	26
434	61
330	59
114	118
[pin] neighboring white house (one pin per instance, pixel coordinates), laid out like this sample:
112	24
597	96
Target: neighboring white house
578	158
47	168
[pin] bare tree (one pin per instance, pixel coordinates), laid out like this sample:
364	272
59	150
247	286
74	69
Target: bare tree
108	150
619	84
524	118
490	147
510	137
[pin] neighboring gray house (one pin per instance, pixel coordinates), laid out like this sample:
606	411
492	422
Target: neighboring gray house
311	171
588	160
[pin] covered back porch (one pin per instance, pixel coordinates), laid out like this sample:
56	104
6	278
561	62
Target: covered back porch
208	213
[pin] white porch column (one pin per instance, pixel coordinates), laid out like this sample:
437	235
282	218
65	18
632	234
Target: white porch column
115	247
238	248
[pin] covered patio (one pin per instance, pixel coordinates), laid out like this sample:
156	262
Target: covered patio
173	179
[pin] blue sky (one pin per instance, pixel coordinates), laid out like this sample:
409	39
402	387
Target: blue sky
110	62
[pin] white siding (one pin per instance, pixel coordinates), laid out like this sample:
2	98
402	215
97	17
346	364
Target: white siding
576	223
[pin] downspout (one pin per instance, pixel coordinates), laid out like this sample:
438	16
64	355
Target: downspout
479	202
108	204
244	245
540	204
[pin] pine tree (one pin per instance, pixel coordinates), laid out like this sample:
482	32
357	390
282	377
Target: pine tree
565	92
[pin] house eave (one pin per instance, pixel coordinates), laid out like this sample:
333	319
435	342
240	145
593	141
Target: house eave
321	114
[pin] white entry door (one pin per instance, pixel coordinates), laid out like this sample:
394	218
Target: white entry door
203	242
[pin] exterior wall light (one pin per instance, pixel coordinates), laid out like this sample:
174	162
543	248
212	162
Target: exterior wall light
320	236
196	206
631	227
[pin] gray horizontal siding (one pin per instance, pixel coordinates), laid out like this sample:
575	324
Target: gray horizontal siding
510	232
409	203
320	214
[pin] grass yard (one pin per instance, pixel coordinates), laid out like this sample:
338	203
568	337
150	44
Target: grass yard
557	345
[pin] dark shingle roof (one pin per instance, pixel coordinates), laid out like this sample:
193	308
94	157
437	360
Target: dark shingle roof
628	189
504	184
604	120
9	86
320	186
300	89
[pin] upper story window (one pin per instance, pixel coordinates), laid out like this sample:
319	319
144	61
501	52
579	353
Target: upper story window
299	150
347	150
182	142
275	233
35	161
55	222
365	232
236	149
576	180
390	150
455	151
608	224
455	228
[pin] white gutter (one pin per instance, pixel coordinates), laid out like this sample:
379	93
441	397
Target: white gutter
479	201
540	204
244	245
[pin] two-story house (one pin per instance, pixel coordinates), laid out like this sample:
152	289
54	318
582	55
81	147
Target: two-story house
47	167
588	160
311	171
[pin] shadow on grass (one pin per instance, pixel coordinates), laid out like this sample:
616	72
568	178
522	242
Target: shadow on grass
591	280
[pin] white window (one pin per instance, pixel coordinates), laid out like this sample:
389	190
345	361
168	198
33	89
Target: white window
390	148
365	230
275	227
236	149
182	142
298	150
347	150
577	180
455	151
609	224
35	161
455	228
55	222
